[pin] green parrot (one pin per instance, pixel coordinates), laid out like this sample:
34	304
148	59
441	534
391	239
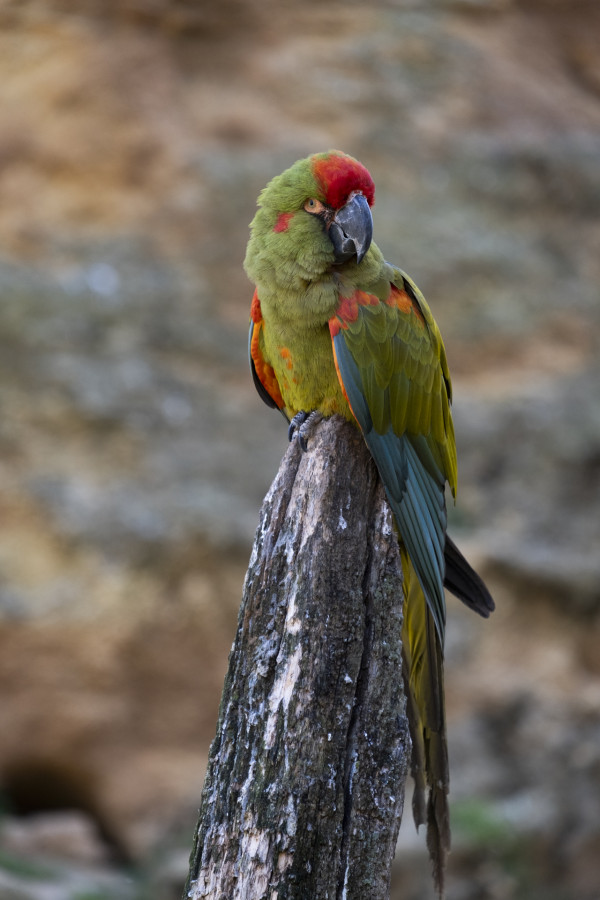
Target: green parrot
334	328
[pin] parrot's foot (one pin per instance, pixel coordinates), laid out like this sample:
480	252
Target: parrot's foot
301	425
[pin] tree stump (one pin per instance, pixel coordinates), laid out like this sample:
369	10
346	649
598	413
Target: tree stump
304	791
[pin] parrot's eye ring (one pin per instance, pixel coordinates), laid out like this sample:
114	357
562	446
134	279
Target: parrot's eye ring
314	206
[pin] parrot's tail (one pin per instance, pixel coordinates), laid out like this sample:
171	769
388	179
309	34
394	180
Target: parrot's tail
423	671
462	580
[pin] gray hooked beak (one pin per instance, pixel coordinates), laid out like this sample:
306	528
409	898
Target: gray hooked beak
351	230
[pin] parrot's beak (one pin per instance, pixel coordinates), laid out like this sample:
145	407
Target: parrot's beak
351	230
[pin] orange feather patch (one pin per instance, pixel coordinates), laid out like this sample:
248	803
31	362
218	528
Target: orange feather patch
334	327
287	356
264	372
332	324
255	310
405	303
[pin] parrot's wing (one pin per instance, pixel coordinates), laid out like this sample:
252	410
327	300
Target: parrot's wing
392	367
263	375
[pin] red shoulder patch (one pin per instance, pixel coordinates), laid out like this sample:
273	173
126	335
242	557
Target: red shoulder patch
339	175
347	310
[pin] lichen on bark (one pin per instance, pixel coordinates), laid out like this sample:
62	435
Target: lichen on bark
305	784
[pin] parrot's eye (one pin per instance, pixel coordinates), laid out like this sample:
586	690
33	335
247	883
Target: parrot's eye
314	206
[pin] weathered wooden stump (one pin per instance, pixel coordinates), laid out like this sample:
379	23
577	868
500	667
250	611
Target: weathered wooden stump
305	784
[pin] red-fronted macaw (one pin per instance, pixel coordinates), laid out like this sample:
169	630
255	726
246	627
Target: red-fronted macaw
336	329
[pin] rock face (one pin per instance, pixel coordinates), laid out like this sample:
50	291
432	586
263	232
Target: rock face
134	453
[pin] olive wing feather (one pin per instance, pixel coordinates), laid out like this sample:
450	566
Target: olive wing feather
392	367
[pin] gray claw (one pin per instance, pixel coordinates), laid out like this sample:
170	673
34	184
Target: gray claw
301	424
296	424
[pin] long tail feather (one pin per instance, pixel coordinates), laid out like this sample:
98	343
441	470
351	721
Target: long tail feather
424	684
464	582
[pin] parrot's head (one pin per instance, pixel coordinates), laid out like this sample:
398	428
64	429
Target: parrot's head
312	219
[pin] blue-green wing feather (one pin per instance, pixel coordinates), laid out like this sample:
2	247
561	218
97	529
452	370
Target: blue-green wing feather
415	494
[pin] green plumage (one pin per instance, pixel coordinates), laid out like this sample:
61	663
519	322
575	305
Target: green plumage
343	331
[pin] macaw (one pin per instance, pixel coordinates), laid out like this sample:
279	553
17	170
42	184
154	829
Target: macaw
334	328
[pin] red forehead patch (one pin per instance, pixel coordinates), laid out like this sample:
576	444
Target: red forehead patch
339	175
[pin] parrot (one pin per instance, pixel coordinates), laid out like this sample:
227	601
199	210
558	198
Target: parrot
335	329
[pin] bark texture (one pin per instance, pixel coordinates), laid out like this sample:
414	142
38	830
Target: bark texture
305	784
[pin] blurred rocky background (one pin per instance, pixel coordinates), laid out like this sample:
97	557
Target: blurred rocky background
134	452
